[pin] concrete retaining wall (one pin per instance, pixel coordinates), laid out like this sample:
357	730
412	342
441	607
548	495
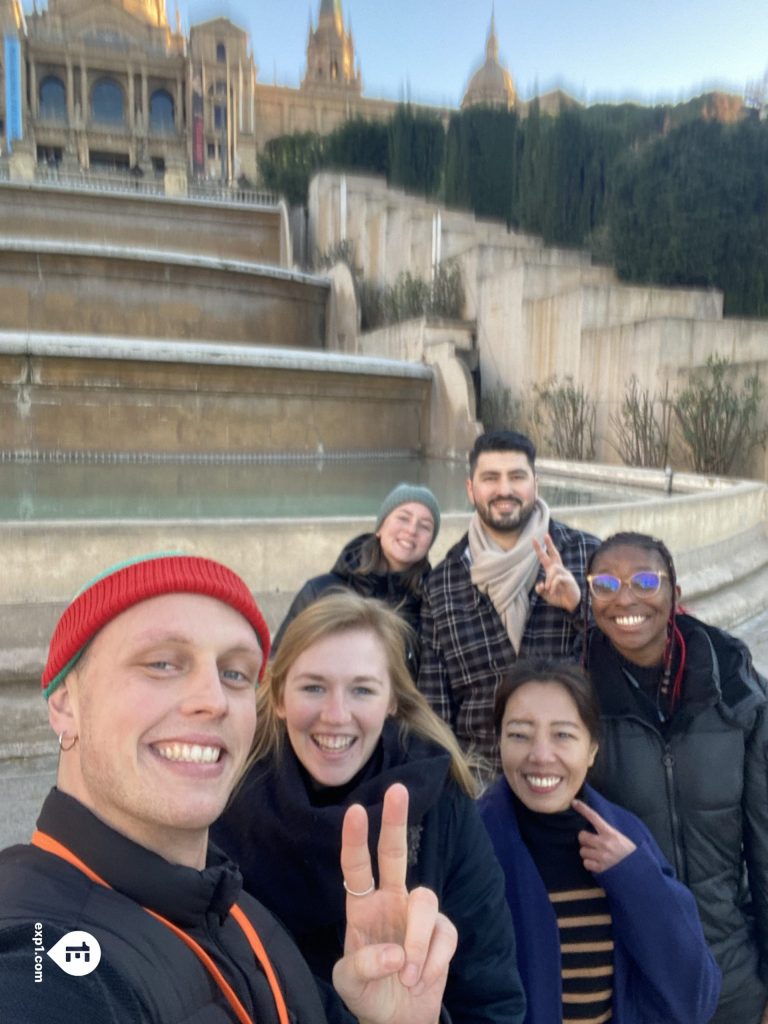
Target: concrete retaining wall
227	231
540	311
129	396
45	563
108	290
449	349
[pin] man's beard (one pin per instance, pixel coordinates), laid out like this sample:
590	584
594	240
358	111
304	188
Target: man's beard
512	522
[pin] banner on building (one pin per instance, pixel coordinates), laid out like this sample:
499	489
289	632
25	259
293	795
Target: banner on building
198	129
13	87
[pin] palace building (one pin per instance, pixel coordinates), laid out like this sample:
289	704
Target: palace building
111	85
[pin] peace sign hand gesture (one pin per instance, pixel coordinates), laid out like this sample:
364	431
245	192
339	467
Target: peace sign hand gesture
398	946
559	587
606	846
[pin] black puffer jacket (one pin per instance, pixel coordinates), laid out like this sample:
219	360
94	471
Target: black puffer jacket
146	975
277	809
700	784
386	586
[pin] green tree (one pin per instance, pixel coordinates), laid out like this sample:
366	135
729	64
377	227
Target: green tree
483	150
692	209
288	162
577	156
358	145
416	150
532	184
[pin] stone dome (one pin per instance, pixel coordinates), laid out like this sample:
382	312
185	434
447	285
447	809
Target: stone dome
491	85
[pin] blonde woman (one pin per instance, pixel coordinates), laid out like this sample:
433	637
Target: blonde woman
340	720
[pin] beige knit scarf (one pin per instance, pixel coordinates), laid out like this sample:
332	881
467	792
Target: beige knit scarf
507	576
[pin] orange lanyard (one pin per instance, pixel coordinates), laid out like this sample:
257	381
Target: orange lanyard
51	845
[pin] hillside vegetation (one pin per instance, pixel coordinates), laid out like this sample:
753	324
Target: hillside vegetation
667	194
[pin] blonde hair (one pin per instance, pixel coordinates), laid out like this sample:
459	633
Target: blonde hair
339	612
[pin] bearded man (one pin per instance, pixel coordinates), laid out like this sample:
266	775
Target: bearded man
511	588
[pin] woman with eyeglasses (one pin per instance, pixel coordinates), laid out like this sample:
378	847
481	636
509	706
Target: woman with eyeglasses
685	747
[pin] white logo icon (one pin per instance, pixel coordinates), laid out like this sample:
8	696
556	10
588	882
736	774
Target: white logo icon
76	953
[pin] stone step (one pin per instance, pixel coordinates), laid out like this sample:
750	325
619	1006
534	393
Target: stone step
25	631
727	583
24	634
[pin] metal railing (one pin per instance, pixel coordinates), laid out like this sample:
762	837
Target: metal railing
79	455
214	191
89	181
130	183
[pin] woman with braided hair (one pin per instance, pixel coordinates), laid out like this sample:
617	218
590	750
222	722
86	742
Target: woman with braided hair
685	747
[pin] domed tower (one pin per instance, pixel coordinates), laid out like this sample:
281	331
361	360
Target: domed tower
491	85
152	11
331	52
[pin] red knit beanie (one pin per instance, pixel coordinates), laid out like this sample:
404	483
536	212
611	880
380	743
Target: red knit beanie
129	583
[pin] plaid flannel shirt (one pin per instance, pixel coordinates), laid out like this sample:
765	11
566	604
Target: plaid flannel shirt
465	648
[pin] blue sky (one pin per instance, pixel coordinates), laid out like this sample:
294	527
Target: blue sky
596	49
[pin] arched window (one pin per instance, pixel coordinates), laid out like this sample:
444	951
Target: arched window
53	98
161	112
107	101
221	53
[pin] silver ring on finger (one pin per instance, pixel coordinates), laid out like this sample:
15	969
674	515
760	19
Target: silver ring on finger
351	892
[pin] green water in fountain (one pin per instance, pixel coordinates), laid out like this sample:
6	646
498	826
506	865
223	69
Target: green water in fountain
35	490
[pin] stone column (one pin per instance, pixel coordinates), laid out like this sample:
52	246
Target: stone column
35	99
190	125
145	99
178	112
252	91
131	99
240	103
175	179
70	92
86	114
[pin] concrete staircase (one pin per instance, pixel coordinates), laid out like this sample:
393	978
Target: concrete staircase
727	583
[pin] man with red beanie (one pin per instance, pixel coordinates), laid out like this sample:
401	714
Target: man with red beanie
119	910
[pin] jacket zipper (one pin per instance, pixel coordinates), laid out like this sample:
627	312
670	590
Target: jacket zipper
668	760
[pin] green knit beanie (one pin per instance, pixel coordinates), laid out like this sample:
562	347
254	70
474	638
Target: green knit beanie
404	493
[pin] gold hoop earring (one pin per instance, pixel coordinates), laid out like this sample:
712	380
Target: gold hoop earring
62	737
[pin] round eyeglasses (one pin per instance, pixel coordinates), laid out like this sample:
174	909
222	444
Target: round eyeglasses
642	584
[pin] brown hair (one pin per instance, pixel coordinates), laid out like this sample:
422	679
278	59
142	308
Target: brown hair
371	557
340	612
571	677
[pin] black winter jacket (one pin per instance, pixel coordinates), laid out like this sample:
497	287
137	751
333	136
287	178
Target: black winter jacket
146	974
386	586
700	784
277	809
